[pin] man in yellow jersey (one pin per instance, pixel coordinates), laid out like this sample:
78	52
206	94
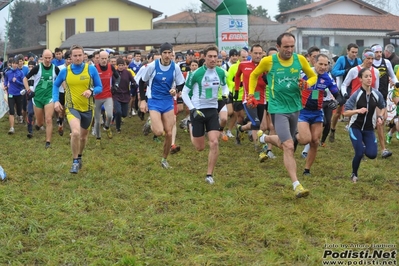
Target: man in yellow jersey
284	102
82	81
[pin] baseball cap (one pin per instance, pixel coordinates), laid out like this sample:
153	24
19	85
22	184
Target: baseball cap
190	52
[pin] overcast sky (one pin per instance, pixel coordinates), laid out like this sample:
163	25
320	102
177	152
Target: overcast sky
170	7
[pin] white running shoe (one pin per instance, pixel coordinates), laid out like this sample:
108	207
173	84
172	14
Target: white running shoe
209	180
229	134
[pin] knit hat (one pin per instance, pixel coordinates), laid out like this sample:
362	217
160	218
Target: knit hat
166	46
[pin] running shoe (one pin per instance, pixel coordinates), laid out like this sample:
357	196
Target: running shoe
260	134
224	137
140	115
147	127
156	139
29	135
165	164
300	192
80	162
271	155
37	127
20	119
389	139
386	153
306	173
209	180
347	128
262	157
134	112
331	138
229	134
47	146
354	178
11	131
174	149
304	155
93	131
60	130
118	130
74	168
109	133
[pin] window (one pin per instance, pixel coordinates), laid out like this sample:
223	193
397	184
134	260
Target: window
114	24
69	27
321	42
360	43
89	24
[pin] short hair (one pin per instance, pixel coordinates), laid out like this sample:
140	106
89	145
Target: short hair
96	53
352	45
67	54
360	74
76	47
285	34
271	49
211	47
136	53
390	48
256	45
57	50
194	61
313	49
322	55
20	57
13	60
120	61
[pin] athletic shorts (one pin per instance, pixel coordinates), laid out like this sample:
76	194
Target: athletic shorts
237	106
221	104
209	122
311	116
285	125
255	115
175	109
40	102
85	118
161	106
133	90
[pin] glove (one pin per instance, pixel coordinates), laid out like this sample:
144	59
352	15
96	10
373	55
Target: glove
30	95
196	113
114	88
397	85
251	101
346	96
333	104
235	97
340	100
225	99
303	84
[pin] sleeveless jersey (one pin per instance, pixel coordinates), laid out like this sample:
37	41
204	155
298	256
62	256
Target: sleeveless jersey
284	91
356	83
43	81
106	81
77	84
162	82
384	77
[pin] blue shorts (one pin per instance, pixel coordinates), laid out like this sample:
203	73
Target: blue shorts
311	116
161	106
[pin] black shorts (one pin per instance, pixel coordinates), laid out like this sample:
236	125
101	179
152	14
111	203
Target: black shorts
86	118
179	100
237	106
221	104
133	90
209	122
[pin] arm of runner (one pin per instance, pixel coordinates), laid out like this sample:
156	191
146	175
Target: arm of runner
392	75
311	75
237	78
352	74
186	99
57	83
97	85
377	80
339	67
264	66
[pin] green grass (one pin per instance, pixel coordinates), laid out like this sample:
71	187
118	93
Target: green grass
124	209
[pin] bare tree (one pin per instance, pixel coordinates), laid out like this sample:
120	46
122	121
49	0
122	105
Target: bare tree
391	6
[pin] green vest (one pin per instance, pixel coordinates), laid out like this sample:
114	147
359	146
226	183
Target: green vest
284	93
45	83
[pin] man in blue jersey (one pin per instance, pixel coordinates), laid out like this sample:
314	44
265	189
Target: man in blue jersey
160	77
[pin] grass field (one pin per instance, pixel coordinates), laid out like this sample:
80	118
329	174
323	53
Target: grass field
124	209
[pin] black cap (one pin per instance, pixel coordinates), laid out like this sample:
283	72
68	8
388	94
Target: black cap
165	46
233	52
190	52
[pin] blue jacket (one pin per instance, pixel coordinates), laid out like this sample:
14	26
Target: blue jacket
14	88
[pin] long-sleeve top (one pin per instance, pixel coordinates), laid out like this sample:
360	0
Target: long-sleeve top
123	92
14	87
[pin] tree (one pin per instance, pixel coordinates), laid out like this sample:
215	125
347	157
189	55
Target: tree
24	28
285	5
391	6
258	11
205	8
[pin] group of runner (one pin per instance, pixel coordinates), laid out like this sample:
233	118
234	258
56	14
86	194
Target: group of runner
277	91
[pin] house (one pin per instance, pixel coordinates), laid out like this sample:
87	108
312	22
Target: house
333	24
189	19
322	7
82	16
